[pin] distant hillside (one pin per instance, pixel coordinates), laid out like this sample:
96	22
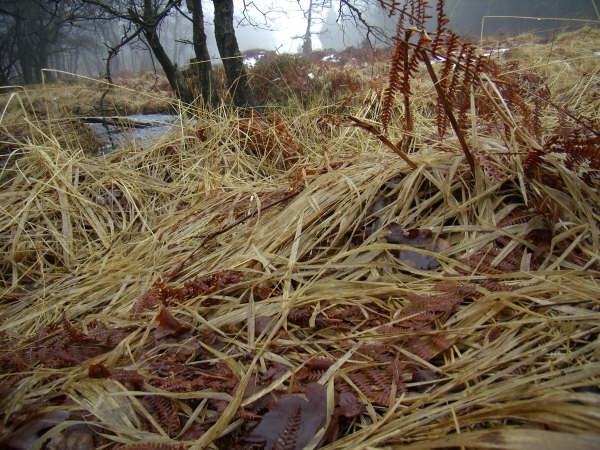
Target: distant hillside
466	18
466	15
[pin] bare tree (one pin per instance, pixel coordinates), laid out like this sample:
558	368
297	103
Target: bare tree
315	7
8	51
201	65
231	56
149	22
30	32
360	14
307	38
145	18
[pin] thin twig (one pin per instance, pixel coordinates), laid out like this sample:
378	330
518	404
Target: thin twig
379	135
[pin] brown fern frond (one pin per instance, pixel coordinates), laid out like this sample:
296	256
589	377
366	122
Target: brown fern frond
379	376
468	79
309	374
454	61
273	140
411	66
165	411
405	58
391	330
490	166
581	149
168	325
411	12
442	21
451	45
73	334
423	347
300	315
288	435
70	346
101	334
484	260
535	169
434	303
161	293
519	215
399	54
173	384
440	342
459	74
448	110
293	422
157	294
374	383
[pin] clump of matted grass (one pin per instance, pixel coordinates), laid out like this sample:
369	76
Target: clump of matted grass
173	295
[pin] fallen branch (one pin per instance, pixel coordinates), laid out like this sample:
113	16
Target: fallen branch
116	121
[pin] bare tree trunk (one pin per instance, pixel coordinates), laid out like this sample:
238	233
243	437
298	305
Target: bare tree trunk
237	78
202	66
171	72
307	44
25	53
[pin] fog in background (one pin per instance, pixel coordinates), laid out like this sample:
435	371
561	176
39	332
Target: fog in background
277	26
466	19
280	25
81	47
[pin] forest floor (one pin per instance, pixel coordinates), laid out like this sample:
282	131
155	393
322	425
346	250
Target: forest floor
288	281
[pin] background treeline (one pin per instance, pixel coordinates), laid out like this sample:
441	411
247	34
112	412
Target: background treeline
75	36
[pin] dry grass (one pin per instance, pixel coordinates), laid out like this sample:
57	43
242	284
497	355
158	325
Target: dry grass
568	64
37	113
88	238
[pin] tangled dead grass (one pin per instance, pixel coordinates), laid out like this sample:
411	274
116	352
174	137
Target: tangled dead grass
169	296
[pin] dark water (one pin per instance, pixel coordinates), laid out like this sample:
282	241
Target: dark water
148	128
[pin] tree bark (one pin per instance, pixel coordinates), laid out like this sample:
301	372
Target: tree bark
202	66
31	50
307	44
237	78
149	26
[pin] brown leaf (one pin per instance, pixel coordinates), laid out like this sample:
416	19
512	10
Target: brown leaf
263	324
168	325
422	239
348	405
77	437
98	371
294	421
25	436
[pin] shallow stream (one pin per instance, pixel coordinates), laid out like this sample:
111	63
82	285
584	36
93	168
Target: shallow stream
136	128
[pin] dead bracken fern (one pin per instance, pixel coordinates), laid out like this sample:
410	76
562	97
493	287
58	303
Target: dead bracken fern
472	90
244	284
461	68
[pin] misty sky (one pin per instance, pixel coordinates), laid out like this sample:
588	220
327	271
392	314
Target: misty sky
280	25
276	31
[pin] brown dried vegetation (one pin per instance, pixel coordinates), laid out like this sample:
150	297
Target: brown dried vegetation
253	287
